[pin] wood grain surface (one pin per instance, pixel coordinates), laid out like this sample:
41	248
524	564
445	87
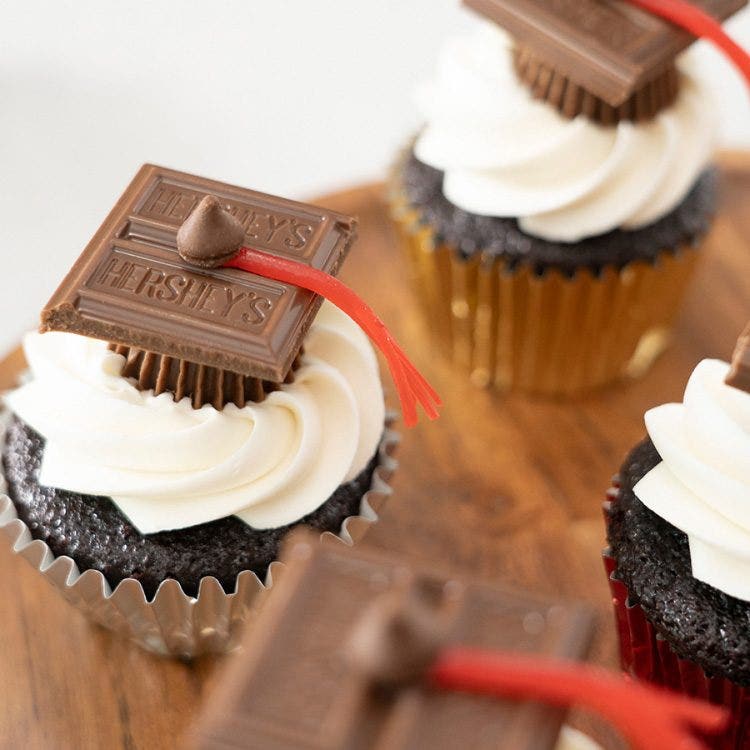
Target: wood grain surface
502	486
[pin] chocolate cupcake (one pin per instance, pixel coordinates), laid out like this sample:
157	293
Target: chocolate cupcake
180	416
679	544
551	217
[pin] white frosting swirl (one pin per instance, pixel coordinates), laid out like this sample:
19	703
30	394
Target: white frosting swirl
702	485
169	466
506	154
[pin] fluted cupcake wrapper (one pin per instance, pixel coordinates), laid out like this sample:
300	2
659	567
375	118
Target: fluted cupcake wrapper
645	655
173	623
546	333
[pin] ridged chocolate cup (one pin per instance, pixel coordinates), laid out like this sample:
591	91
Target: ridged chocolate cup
200	383
571	100
173	623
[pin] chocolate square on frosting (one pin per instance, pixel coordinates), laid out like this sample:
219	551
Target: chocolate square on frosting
608	47
131	288
293	687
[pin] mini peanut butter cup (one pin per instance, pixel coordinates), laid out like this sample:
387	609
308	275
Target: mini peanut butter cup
571	100
604	59
201	384
152	285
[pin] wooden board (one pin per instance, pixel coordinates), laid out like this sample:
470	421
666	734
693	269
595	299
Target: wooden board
505	487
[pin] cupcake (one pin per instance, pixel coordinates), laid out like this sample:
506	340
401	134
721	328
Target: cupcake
179	417
678	529
551	217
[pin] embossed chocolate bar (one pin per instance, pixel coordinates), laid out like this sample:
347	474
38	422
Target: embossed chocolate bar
608	47
300	685
131	288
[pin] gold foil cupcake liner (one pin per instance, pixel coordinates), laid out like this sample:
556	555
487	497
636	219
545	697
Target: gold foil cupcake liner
546	333
570	100
173	623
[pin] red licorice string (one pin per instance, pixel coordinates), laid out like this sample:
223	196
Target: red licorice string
647	717
412	388
699	24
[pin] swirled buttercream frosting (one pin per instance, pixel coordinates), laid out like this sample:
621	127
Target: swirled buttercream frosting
506	154
169	466
702	485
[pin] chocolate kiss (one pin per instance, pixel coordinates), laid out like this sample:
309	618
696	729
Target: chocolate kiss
397	639
739	374
209	236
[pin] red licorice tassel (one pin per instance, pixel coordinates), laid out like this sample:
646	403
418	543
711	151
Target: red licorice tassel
699	24
647	717
411	386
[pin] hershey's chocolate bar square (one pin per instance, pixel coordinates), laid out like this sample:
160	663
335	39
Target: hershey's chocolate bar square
608	47
293	686
131	287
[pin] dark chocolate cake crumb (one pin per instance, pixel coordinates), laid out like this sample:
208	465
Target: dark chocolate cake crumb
503	238
653	560
96	534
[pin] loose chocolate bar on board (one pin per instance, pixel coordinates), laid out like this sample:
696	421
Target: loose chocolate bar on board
296	687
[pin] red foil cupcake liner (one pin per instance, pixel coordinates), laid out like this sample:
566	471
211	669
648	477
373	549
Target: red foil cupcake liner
645	655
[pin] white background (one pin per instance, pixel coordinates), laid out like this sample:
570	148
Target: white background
289	96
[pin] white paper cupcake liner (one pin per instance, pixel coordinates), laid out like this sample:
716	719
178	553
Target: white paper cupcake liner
173	623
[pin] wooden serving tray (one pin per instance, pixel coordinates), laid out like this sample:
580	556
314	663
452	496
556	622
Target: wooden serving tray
503	486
